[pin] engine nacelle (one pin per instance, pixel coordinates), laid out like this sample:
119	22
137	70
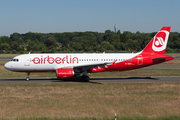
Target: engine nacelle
63	73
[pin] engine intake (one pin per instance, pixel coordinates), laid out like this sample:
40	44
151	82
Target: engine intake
62	73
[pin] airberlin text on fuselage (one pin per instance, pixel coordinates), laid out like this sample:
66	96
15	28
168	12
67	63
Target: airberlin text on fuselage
57	60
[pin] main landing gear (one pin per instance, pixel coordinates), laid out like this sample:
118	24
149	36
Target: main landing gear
85	77
27	78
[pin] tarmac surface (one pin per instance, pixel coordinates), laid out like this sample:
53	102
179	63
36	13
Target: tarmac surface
5	58
94	80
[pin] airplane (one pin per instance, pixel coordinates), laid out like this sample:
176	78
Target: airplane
67	65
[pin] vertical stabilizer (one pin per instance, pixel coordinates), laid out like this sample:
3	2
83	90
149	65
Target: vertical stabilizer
159	42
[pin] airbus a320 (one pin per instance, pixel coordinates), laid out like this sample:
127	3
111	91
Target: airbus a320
68	65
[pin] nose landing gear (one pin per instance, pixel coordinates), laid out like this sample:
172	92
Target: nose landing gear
27	78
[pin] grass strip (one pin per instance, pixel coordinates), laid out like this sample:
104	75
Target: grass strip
122	118
88	101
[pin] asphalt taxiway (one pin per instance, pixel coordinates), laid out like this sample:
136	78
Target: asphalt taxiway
93	80
5	58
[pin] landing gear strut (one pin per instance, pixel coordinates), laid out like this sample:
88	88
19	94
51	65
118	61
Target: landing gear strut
85	77
27	79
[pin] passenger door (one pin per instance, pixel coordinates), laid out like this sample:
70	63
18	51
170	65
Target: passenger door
140	60
27	60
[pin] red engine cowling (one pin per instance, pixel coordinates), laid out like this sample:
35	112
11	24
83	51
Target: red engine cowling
64	73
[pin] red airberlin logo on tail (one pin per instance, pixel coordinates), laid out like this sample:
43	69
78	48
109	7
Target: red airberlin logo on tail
58	60
160	41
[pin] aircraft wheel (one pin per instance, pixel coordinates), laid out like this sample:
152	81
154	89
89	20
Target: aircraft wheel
87	79
27	79
83	77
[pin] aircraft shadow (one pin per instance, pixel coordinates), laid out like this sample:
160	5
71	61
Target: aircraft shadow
44	80
99	80
128	78
77	79
23	79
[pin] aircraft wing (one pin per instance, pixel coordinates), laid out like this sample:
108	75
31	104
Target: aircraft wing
85	66
94	65
91	66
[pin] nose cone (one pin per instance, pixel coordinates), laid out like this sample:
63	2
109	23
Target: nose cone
7	66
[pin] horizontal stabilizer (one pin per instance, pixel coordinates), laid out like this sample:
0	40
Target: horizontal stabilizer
162	58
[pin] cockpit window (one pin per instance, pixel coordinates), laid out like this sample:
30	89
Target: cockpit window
15	60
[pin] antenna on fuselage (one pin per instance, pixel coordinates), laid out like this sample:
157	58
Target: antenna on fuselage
104	52
29	52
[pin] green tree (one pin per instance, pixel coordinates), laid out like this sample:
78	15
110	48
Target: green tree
42	47
4	46
5	39
15	36
20	48
118	32
123	37
31	45
14	45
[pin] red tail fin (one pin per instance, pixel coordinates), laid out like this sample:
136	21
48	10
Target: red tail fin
159	42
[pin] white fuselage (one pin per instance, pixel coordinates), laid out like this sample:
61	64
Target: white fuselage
50	62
